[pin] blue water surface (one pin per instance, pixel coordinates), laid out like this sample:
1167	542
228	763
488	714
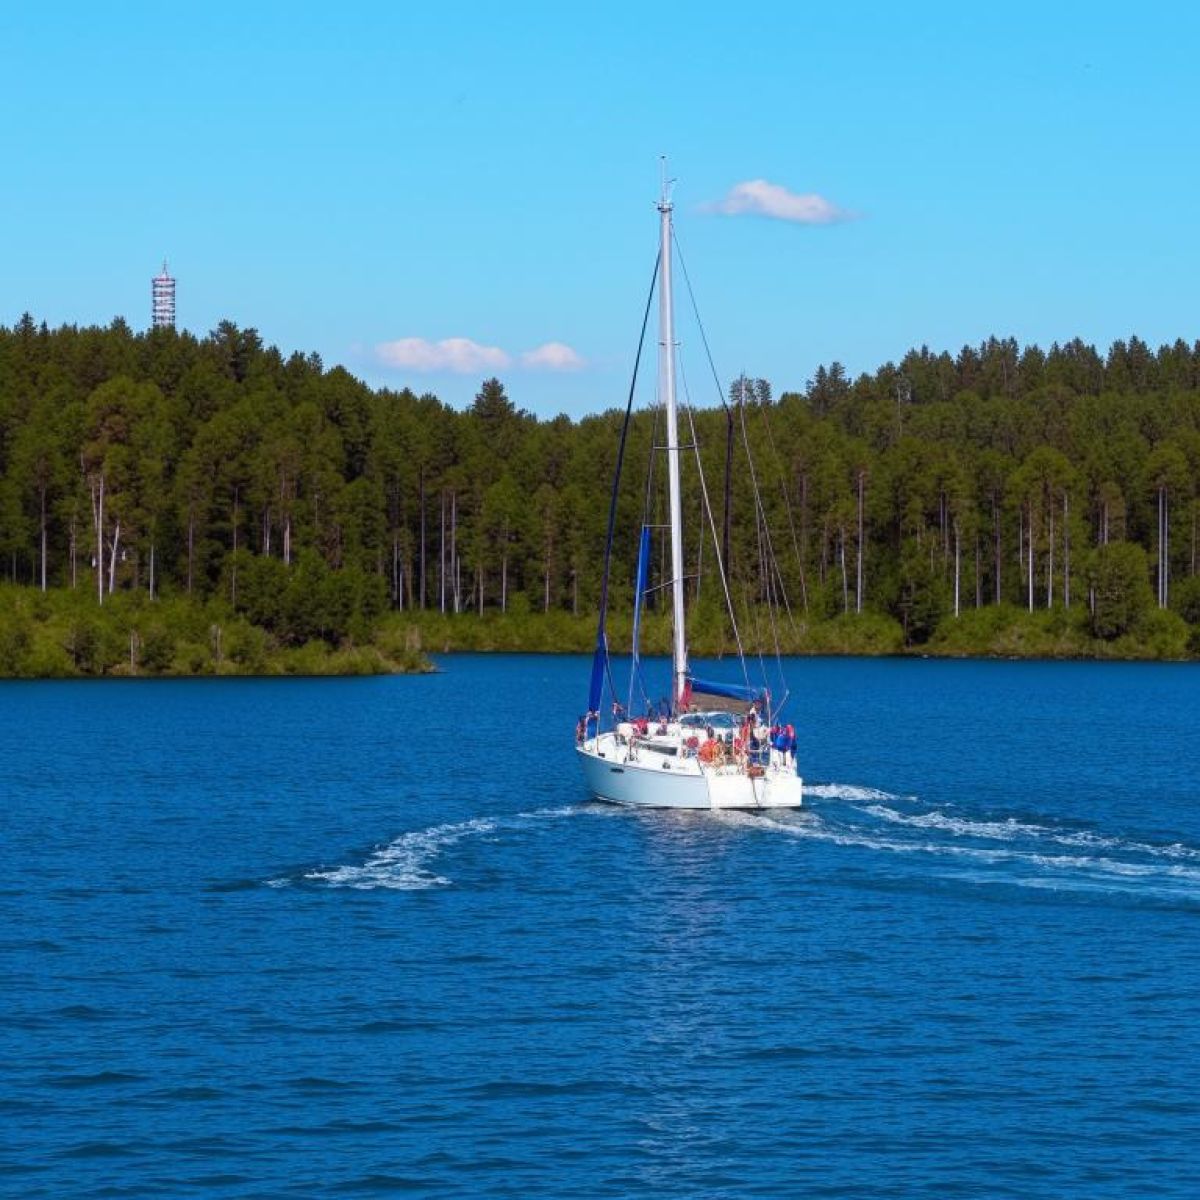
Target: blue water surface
296	938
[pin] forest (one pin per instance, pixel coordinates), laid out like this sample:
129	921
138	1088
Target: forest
1003	500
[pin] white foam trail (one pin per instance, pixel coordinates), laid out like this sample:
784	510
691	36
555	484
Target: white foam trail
1005	830
845	791
404	863
1011	829
1099	869
1096	841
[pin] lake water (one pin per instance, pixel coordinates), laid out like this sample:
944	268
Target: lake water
363	937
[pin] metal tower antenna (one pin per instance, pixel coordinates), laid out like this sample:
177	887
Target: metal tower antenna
162	300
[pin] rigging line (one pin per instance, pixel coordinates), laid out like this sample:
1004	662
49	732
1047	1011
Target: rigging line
756	617
601	634
636	678
772	581
767	561
766	527
787	502
776	589
757	496
737	637
700	324
745	439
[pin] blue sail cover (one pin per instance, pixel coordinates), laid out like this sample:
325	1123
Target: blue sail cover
728	691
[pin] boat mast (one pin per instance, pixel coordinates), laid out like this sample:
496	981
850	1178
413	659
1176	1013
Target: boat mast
666	361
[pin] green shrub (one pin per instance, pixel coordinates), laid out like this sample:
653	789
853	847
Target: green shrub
1118	577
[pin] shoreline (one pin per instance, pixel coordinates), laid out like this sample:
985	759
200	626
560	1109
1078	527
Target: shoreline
63	634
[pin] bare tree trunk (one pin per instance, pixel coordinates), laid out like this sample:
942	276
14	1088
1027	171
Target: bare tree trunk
421	477
1164	546
858	592
192	544
957	567
397	591
1031	561
287	522
1021	544
98	520
978	574
996	590
1050	560
112	561
804	530
442	553
42	500
1192	566
152	570
74	558
455	576
233	565
944	509
845	578
479	578
1166	549
1066	550
1159	568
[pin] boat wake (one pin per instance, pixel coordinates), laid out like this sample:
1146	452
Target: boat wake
407	863
912	835
990	849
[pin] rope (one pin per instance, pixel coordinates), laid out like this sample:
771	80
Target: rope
787	502
601	634
759	508
737	637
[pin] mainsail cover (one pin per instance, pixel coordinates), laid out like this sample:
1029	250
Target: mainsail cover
728	697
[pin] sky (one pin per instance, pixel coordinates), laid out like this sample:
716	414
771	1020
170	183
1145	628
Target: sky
432	194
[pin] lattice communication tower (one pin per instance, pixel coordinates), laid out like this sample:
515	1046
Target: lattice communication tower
162	292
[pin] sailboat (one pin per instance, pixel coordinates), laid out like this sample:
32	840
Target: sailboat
714	744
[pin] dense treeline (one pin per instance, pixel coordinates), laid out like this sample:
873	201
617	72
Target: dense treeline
311	505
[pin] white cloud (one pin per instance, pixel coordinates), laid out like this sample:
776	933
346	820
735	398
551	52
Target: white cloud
461	356
763	199
458	355
552	356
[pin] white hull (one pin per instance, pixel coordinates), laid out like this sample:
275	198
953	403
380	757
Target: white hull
660	781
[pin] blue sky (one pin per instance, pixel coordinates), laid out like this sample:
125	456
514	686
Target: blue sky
349	177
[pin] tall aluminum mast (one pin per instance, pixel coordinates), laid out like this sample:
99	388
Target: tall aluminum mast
666	363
